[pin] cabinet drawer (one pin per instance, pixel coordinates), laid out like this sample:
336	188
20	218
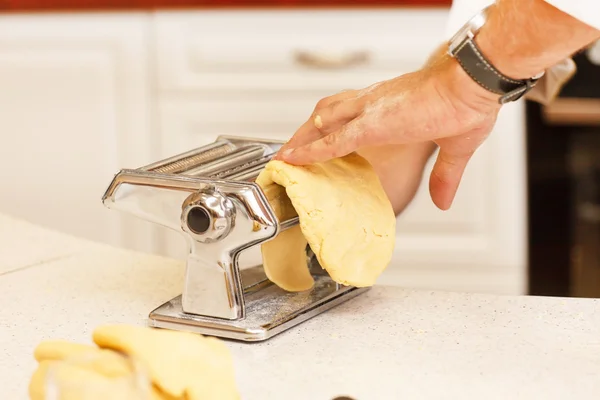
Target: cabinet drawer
282	50
186	124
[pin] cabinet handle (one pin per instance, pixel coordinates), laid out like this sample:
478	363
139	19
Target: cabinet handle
313	60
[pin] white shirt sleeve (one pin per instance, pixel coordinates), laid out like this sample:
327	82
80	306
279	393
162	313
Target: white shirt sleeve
587	11
462	11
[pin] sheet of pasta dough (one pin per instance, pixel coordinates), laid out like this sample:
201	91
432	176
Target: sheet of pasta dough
289	248
345	216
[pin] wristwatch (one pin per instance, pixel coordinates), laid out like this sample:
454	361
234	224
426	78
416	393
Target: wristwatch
464	49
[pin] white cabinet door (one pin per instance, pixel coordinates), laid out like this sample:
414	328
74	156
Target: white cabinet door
481	242
73	110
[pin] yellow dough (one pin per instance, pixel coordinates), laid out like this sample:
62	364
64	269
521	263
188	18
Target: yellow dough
181	364
106	362
345	215
172	366
77	382
60	350
289	248
86	372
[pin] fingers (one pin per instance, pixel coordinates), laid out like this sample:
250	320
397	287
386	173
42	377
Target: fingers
446	176
330	114
336	144
331	118
307	133
311	130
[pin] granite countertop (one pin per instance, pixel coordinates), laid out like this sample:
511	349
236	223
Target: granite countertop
389	343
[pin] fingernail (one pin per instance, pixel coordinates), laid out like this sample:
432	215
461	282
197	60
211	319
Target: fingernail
287	153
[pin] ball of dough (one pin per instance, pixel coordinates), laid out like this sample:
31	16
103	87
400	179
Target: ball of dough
77	371
181	364
167	365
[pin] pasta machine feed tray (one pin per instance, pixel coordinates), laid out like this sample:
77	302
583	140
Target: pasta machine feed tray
209	196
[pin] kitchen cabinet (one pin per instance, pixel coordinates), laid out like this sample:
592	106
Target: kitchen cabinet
159	83
74	107
481	242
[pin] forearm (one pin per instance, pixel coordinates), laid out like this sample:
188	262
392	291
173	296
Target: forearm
400	169
524	37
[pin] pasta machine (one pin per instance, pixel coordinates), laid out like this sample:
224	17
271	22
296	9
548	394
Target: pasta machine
209	196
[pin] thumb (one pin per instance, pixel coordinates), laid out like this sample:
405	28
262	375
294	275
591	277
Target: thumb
336	144
446	176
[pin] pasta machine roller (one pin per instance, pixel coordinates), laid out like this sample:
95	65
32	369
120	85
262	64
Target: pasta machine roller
209	196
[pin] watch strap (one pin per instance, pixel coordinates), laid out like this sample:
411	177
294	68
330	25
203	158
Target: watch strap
478	67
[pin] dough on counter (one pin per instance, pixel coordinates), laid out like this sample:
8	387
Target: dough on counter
60	350
180	364
86	372
345	215
106	362
176	366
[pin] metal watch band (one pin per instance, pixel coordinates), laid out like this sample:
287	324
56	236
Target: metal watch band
481	71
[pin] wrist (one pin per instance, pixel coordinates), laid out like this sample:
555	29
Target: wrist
454	84
515	66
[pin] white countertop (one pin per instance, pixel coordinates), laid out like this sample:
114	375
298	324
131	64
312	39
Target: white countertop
389	343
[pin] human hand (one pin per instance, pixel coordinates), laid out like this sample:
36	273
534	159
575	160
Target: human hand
438	103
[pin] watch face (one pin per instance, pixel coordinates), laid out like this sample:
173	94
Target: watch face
468	30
